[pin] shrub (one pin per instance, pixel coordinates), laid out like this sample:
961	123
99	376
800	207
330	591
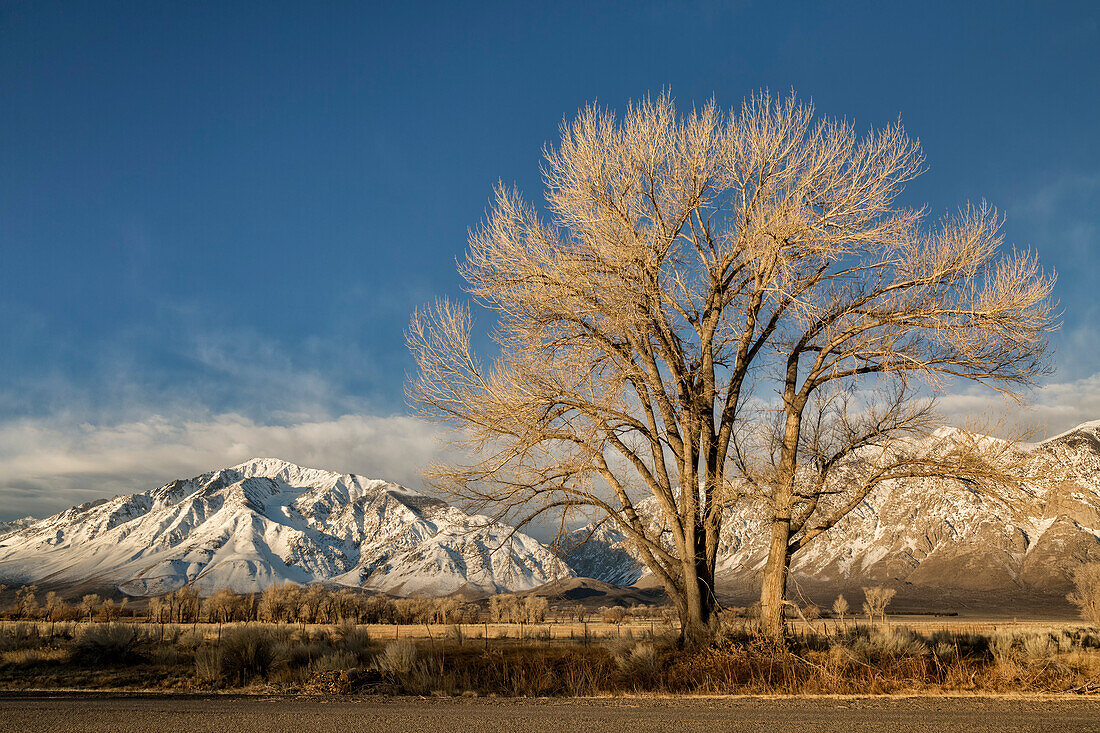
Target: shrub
640	666
946	653
106	644
1038	649
1001	646
208	664
246	653
399	657
881	644
357	642
334	662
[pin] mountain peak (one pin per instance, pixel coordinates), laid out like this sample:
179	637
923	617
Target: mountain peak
261	466
267	521
1092	426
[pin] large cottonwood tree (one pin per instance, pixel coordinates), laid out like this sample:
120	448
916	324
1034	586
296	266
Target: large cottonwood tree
721	308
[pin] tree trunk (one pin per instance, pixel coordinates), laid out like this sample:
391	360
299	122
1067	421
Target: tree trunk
697	616
774	588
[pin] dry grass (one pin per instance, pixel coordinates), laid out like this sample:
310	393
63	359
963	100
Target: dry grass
456	660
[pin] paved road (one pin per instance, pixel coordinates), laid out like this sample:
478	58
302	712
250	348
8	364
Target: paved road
175	714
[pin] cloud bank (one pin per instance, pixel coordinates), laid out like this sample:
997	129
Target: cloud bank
49	464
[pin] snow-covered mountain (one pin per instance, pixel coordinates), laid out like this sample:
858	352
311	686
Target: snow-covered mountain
267	521
930	533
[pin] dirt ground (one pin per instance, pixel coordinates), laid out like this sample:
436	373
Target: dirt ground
82	712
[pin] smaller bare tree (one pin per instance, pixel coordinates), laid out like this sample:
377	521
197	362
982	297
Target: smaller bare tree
1086	594
54	606
878	598
614	615
811	613
26	601
89	604
840	607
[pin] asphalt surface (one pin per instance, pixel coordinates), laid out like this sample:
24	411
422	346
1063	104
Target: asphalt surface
240	714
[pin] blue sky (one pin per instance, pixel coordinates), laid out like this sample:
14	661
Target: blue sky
216	218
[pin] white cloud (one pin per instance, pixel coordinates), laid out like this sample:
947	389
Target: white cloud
48	464
1053	409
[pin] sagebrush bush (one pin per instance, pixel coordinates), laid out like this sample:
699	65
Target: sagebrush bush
640	665
334	661
946	652
208	664
107	644
357	642
246	653
1038	648
1002	648
398	657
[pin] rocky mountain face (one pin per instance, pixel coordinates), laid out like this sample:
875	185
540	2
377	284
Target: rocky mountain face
928	533
268	521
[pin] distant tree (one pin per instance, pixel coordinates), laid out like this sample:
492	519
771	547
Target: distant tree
185	604
614	615
55	607
26	601
280	602
506	609
840	607
221	607
159	610
811	613
535	609
1086	594
89	604
877	599
313	603
690	268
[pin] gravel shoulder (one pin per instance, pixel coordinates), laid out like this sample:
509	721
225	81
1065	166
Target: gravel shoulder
195	713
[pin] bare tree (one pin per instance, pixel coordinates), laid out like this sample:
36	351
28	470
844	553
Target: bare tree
720	309
840	607
877	599
88	605
221	606
1086	594
54	607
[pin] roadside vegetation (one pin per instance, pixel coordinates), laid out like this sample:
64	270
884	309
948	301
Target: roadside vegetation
351	658
291	639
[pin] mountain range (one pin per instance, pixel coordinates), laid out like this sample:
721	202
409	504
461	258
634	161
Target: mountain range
927	533
267	521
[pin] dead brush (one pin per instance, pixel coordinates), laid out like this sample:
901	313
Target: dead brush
247	653
20	635
356	640
640	666
397	658
100	645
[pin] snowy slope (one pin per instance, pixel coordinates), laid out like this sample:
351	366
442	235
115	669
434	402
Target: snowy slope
267	521
926	532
